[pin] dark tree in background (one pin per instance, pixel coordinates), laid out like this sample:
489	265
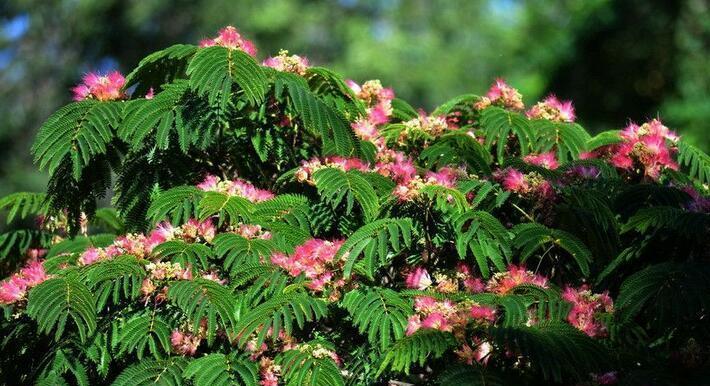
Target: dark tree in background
640	60
617	60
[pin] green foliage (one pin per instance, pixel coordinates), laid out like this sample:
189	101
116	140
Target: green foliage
176	205
376	241
695	160
145	331
200	299
20	205
164	372
317	285
76	133
530	237
229	208
222	370
498	124
161	67
114	280
556	349
485	237
319	117
670	292
416	349
213	70
455	148
301	368
336	185
380	313
238	251
279	312
53	303
155	121
568	139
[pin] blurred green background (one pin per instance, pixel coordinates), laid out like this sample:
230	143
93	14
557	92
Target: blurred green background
617	60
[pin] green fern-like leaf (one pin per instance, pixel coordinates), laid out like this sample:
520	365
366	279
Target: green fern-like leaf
109	220
670	291
695	160
376	241
232	209
336	186
201	298
164	372
300	367
688	224
471	376
144	331
157	119
20	205
57	300
485	237
457	147
557	349
289	208
77	133
426	344
116	279
380	313
178	204
454	103
213	70
498	124
187	254
567	139
222	370
319	118
160	67
237	250
604	138
529	237
279	312
403	111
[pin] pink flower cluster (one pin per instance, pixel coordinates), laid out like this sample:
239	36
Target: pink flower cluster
409	190
445	315
378	101
251	232
395	165
546	160
269	372
142	246
101	87
287	63
647	146
316	260
419	278
307	168
481	353
503	282
185	343
424	126
230	38
16	286
236	187
586	308
530	184
552	109
159	273
318	351
501	94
